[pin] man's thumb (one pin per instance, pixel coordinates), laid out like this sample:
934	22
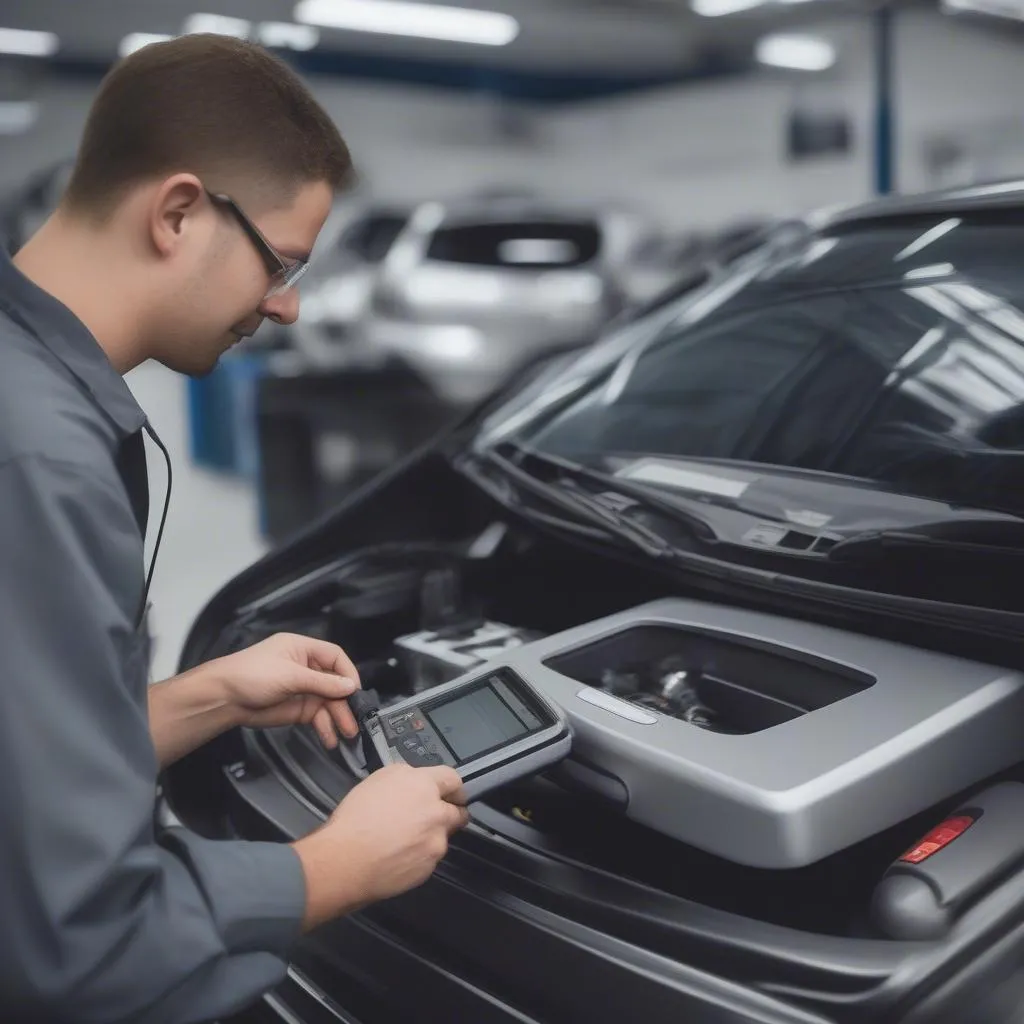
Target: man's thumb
328	685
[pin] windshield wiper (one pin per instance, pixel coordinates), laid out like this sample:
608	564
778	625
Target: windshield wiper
983	538
615	491
606	511
604	507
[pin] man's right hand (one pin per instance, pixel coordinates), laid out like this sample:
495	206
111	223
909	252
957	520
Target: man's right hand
386	837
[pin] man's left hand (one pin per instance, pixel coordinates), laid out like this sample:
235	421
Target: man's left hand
289	679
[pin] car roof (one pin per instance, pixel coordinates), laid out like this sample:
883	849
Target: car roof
475	209
997	195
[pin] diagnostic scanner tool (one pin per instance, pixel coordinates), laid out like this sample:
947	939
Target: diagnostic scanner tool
492	728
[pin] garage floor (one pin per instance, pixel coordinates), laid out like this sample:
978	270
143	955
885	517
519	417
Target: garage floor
212	526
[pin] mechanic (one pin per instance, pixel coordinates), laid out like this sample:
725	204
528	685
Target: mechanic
204	175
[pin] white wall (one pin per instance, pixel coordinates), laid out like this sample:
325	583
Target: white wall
422	142
699	156
702	154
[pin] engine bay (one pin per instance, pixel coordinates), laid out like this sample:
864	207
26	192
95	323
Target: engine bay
787	765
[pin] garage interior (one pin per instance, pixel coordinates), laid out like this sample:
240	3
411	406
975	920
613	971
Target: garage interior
509	424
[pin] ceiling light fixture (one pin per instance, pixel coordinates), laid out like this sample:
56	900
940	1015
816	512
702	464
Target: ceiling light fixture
218	24
287	35
721	8
24	43
402	18
137	40
798	52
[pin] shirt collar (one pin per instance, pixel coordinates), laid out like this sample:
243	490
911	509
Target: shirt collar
67	338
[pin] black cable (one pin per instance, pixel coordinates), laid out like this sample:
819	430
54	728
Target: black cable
163	518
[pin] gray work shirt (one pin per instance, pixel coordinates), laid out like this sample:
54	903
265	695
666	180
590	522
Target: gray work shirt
104	916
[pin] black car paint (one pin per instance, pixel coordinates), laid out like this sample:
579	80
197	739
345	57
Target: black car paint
508	931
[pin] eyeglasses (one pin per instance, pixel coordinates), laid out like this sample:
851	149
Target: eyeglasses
284	273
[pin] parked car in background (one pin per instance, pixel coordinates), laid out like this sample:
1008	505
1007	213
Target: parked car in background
473	290
765	541
463	292
336	290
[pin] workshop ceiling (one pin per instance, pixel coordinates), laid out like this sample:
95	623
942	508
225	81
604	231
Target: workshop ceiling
611	41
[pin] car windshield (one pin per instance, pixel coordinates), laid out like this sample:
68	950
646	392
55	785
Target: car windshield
887	354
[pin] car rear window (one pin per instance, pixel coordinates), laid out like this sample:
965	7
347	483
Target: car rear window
529	245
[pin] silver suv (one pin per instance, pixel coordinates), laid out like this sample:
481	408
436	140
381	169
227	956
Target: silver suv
468	291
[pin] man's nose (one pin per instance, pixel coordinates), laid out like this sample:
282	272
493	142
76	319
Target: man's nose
282	308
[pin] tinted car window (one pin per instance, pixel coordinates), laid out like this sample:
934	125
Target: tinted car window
530	245
865	335
707	392
950	421
892	353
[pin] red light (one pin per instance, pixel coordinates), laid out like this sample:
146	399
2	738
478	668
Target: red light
940	836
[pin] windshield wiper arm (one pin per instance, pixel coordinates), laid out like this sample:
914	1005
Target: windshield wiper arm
595	510
645	538
999	538
635	494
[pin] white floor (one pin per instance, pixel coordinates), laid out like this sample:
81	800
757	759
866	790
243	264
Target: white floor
211	531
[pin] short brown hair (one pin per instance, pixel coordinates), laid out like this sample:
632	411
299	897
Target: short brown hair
223	109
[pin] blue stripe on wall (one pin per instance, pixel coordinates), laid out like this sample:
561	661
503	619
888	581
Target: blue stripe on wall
520	84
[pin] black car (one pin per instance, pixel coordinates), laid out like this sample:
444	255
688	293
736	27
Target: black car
766	544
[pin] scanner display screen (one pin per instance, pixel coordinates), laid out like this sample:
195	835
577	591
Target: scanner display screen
483	719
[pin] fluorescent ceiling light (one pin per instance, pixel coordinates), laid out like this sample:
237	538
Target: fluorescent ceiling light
218	24
802	53
720	8
288	35
137	40
24	43
402	18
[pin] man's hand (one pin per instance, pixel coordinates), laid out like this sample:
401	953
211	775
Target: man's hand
386	837
289	679
283	680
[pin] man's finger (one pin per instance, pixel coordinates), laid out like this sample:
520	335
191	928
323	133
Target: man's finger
324	726
327	685
328	657
456	817
343	718
449	784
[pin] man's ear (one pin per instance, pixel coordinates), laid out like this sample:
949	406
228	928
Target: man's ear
174	209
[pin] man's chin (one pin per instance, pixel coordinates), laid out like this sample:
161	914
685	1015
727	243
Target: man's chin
199	363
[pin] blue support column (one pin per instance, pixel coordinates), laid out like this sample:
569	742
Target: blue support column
884	124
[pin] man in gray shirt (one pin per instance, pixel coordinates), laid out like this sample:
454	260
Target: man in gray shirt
204	175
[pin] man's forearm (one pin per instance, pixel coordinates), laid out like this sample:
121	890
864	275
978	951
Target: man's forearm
187	711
